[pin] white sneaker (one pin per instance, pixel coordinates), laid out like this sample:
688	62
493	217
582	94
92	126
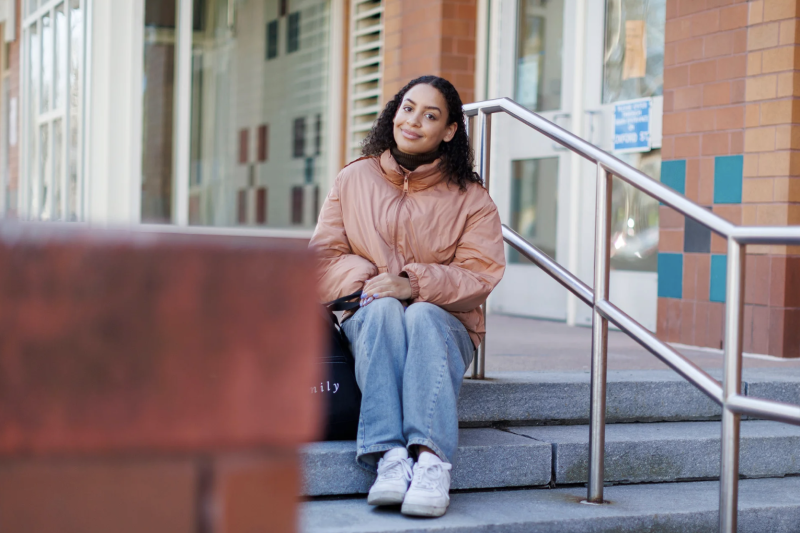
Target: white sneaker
394	475
430	487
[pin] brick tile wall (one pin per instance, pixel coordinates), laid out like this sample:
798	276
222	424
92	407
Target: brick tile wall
705	70
435	37
732	72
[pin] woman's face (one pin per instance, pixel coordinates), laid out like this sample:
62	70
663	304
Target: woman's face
420	124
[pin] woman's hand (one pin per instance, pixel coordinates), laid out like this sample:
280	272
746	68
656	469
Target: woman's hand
386	286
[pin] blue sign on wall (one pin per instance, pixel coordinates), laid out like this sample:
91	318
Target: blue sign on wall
632	126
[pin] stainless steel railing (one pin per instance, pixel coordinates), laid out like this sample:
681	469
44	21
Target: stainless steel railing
727	394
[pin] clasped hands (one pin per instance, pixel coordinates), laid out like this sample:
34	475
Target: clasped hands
386	286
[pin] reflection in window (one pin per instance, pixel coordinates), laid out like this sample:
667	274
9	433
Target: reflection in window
534	199
634	218
539	44
272	39
634	49
299	144
254	121
293	33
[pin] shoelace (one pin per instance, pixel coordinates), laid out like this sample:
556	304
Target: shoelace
425	476
394	468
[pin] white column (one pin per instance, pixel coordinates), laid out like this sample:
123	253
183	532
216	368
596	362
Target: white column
182	118
114	117
576	161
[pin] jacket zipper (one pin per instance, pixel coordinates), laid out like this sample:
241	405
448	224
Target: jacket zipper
397	215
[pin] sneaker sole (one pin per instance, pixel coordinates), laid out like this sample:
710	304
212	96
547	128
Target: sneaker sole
387	497
411	509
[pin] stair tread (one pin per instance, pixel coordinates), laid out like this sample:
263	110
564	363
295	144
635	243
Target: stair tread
764	505
523	455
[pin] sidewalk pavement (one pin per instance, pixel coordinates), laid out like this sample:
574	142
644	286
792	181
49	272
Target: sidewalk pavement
517	343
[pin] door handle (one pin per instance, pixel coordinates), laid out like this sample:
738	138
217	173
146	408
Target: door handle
594	117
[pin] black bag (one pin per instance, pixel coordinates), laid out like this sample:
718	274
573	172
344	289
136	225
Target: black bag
341	391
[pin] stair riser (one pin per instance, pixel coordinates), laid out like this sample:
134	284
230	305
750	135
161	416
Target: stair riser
490	458
678	461
568	403
560	398
771	505
486	458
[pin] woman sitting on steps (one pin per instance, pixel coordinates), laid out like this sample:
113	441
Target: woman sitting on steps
413	227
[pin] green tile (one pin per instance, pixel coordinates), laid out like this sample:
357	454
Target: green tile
673	175
728	179
719	274
670	275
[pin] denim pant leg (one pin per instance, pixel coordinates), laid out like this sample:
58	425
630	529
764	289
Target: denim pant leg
439	351
378	339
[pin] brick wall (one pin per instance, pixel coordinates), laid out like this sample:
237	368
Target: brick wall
147	389
430	37
729	83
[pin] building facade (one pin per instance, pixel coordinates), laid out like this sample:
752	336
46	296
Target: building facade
241	112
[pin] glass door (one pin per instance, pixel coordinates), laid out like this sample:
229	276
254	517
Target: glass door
624	63
530	179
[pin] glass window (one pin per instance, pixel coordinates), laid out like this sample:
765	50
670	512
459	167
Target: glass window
53	114
539	43
159	84
258	112
633	63
534	204
634	218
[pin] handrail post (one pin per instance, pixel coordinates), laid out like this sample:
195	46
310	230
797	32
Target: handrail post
484	139
597	406
731	386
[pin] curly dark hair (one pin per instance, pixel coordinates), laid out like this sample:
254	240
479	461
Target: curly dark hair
457	157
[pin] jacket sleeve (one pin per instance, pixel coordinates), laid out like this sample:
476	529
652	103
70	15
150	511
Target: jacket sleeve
340	271
476	269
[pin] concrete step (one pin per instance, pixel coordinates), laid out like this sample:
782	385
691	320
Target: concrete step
669	451
764	505
546	398
486	458
539	455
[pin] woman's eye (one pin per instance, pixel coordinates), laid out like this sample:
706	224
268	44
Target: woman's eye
407	109
430	117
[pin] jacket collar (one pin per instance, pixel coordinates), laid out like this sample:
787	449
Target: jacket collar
420	179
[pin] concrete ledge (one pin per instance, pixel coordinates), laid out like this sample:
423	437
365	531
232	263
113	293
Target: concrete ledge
487	458
764	505
676	451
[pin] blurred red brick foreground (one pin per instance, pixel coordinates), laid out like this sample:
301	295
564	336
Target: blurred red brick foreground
153	382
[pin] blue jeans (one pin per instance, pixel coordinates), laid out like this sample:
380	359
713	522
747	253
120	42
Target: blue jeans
409	366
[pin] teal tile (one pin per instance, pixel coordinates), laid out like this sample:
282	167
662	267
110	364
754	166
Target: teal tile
673	174
670	275
718	273
728	179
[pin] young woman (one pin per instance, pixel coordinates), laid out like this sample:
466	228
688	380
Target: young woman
412	226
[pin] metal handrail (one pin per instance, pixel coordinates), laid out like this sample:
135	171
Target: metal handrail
727	394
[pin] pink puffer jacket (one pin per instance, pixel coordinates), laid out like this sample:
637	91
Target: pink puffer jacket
378	217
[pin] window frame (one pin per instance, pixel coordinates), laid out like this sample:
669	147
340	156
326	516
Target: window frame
31	185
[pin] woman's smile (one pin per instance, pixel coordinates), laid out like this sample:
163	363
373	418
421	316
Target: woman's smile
410	134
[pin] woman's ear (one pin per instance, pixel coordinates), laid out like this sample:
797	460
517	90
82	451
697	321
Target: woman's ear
450	132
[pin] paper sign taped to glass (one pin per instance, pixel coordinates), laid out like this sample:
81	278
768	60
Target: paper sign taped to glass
632	125
635	65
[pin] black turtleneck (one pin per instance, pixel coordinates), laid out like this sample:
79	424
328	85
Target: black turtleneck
413	161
